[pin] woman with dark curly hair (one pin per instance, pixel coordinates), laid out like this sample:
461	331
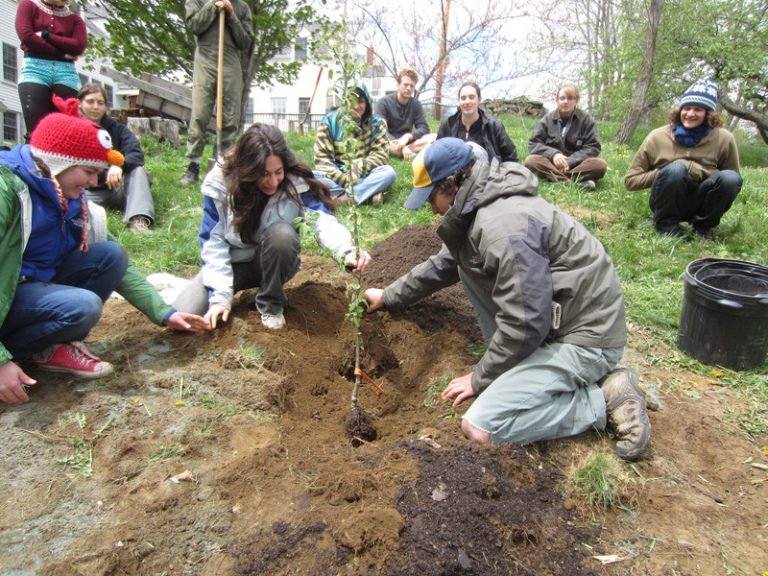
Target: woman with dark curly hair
249	235
691	166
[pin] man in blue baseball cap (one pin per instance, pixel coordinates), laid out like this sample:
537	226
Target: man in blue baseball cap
548	301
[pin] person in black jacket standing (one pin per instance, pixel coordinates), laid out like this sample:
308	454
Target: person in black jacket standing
475	125
564	146
128	187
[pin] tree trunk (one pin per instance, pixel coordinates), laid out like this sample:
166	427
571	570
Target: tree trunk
760	120
644	76
437	109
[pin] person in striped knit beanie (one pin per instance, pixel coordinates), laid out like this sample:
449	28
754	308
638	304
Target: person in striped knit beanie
53	283
691	166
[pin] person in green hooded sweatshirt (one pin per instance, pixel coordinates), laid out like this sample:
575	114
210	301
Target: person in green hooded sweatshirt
369	174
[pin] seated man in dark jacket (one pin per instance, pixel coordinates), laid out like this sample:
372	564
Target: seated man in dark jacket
564	145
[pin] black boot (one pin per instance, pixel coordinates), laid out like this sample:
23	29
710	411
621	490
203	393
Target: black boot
192	174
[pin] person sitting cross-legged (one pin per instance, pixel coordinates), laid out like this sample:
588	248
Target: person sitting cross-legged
368	173
408	129
565	146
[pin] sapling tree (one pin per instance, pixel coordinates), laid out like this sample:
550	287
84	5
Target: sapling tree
358	424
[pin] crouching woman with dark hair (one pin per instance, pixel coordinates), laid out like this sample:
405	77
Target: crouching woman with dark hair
249	235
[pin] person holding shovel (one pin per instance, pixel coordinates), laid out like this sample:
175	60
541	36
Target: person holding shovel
548	301
249	234
233	49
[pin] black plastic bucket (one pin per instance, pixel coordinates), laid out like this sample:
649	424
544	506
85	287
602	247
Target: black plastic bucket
724	318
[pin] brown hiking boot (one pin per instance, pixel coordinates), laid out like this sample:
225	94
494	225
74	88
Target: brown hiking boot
627	412
192	174
139	224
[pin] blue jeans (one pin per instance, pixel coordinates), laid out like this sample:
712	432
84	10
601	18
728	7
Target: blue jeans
64	310
674	198
377	180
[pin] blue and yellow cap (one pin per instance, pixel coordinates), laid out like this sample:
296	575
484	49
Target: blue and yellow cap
438	161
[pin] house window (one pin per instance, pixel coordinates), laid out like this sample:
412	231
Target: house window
301	50
84	79
279	105
10	63
250	107
303	105
110	94
10	127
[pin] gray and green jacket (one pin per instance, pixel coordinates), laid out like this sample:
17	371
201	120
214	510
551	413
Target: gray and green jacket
524	254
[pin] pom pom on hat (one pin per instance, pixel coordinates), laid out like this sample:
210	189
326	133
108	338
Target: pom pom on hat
65	140
702	94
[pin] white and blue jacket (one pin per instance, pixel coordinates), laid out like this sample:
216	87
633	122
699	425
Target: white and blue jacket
222	245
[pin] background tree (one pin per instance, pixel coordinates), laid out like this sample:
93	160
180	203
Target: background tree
645	75
603	46
445	41
150	36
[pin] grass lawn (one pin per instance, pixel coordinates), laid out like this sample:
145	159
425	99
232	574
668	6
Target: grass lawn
650	266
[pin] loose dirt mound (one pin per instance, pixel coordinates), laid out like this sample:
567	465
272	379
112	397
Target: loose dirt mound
226	454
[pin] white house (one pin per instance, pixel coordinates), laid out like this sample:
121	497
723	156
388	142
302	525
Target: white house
285	105
13	58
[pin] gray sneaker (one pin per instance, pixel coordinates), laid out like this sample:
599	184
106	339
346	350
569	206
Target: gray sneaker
587	185
627	413
273	321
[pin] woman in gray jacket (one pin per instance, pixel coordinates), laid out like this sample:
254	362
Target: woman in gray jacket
249	235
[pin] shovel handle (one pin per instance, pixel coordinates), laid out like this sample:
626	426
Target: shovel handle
220	82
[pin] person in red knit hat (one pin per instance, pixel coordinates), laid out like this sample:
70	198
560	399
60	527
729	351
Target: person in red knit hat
52	37
53	282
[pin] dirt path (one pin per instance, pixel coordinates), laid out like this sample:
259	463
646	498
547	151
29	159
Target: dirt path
226	454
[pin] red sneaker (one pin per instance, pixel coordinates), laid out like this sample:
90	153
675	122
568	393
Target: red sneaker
74	358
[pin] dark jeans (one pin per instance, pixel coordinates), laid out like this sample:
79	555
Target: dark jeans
274	264
674	198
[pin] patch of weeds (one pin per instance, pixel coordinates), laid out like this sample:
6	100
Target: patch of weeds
167	452
692	394
78	418
477	350
213	403
599	483
754	421
435	388
211	425
432	395
247	356
81	458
